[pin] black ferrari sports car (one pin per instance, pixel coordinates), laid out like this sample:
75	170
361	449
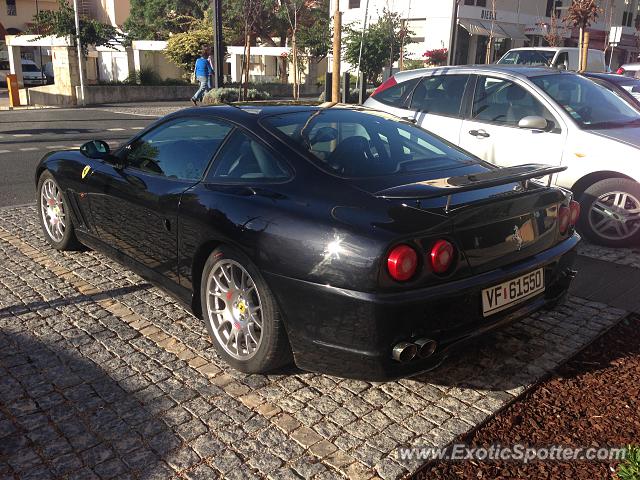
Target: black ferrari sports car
342	238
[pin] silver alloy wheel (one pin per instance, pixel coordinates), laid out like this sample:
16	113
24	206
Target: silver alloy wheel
52	209
234	309
615	216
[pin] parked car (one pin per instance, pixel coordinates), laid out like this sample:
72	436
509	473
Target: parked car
627	87
31	73
355	243
5	69
564	58
513	114
630	70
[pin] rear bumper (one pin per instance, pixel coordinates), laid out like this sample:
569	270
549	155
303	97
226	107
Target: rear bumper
352	334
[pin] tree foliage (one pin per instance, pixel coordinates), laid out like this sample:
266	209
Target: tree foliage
61	23
159	19
582	13
382	41
184	48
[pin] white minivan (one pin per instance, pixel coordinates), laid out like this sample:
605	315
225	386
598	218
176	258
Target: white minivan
565	58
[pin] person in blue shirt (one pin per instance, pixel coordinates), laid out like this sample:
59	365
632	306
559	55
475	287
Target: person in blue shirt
202	74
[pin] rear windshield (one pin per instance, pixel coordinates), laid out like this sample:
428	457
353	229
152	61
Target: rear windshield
528	57
362	143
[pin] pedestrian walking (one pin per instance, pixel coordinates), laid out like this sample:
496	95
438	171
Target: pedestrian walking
202	73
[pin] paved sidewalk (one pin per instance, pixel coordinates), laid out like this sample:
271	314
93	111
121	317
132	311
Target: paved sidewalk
104	376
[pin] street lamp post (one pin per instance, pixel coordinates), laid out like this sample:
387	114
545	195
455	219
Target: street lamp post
218	54
77	19
453	37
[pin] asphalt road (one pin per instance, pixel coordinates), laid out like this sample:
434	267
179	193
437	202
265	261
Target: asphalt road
27	135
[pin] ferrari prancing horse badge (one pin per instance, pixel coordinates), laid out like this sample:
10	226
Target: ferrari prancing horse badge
85	171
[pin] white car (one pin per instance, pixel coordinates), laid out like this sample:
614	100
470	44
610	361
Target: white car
31	73
511	115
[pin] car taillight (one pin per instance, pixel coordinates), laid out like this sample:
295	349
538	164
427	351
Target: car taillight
574	213
620	71
441	256
564	218
402	263
390	82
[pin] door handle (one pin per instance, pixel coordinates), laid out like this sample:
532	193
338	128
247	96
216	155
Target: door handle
479	133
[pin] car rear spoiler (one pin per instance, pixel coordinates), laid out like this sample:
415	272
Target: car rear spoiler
450	186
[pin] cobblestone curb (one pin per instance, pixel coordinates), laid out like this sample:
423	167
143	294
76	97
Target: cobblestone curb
104	376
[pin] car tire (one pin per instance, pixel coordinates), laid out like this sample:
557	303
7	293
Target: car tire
54	216
241	314
611	212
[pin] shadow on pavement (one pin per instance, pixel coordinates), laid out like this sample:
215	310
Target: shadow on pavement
63	416
68	300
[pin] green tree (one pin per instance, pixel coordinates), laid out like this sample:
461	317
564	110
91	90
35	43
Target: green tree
381	44
159	19
61	23
184	48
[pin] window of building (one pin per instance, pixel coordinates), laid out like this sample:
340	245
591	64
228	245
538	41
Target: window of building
477	3
554	6
354	3
627	19
11	8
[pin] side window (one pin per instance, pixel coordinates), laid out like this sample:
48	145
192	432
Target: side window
178	149
503	102
245	159
440	94
396	96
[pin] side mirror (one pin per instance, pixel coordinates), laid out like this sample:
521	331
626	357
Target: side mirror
561	66
636	89
533	122
95	149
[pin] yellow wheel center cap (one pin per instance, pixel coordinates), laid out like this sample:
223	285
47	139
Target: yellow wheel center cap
242	308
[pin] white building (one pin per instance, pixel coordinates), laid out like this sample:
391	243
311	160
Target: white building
515	23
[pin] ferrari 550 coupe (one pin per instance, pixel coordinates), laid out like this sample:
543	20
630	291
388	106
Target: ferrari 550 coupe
341	238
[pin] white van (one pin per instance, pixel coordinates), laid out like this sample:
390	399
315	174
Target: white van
565	58
31	73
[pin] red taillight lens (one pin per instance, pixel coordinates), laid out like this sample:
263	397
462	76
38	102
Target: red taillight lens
441	256
620	71
574	213
402	263
564	217
390	82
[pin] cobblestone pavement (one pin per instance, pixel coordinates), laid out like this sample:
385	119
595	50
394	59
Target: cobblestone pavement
623	256
104	376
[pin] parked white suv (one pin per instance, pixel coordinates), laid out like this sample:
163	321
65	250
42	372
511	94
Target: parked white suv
511	115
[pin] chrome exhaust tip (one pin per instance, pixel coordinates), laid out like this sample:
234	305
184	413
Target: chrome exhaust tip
404	352
426	347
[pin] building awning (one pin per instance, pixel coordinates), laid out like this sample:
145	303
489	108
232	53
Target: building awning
500	29
514	31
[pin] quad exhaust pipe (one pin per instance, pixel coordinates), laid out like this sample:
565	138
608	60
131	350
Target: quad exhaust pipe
421	348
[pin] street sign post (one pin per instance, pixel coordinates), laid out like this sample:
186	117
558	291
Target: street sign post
615	35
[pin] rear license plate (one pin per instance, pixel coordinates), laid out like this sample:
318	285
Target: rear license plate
512	292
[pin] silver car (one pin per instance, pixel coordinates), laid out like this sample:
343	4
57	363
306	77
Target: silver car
510	115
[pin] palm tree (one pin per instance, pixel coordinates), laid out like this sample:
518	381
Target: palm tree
581	14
